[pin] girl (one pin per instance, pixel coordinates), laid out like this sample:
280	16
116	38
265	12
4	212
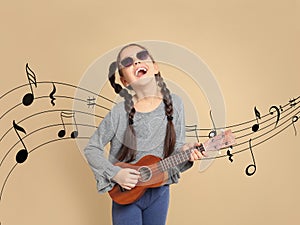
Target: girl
151	122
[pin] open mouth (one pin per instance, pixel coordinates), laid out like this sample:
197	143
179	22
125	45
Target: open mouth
140	72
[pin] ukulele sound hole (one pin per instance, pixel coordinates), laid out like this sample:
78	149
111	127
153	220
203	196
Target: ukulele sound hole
146	173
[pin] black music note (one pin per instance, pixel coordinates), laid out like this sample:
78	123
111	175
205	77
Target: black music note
29	97
193	128
91	102
294	120
212	133
229	154
23	153
255	127
251	165
51	95
62	132
277	111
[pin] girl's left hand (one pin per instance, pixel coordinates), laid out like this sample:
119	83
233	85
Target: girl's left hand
196	154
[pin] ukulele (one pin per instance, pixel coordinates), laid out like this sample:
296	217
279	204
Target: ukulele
154	171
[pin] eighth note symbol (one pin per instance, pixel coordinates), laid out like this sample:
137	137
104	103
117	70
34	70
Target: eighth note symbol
193	128
29	97
62	132
255	127
23	153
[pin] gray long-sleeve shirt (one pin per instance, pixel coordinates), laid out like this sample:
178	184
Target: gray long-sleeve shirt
150	128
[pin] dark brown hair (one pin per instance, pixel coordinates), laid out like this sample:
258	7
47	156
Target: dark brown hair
127	152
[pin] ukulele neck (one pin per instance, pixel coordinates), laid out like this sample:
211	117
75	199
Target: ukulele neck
178	158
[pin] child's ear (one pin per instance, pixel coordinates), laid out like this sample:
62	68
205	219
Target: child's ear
124	81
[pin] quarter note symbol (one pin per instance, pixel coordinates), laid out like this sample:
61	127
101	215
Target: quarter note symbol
251	165
212	133
255	127
23	153
29	97
67	115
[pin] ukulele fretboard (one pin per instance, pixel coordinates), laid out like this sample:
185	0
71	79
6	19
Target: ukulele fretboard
177	159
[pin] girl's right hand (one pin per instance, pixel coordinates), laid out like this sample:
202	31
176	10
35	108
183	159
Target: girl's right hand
127	178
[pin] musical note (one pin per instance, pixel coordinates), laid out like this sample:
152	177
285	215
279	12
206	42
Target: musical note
255	127
29	97
190	128
294	120
212	133
62	132
91	102
292	102
23	153
251	165
272	112
229	154
51	95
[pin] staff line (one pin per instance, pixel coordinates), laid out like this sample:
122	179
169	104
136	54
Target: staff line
59	83
57	96
47	111
39	129
248	128
34	149
264	140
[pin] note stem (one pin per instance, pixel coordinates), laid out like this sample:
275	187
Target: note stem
248	172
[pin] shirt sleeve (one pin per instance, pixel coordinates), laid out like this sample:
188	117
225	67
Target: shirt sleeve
179	124
102	168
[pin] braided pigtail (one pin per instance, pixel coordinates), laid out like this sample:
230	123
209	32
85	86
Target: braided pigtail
127	152
170	137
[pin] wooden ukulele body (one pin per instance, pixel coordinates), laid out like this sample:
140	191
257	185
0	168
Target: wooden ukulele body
151	176
154	170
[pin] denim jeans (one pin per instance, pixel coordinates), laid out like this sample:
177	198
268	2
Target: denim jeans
150	209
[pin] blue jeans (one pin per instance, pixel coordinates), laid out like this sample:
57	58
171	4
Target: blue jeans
150	209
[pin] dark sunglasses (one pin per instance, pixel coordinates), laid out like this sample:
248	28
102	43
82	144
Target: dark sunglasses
128	61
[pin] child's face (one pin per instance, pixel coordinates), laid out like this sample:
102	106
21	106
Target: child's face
135	64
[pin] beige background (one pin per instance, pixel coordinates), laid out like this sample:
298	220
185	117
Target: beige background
252	47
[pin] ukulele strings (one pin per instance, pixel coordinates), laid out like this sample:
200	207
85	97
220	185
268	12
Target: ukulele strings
171	161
